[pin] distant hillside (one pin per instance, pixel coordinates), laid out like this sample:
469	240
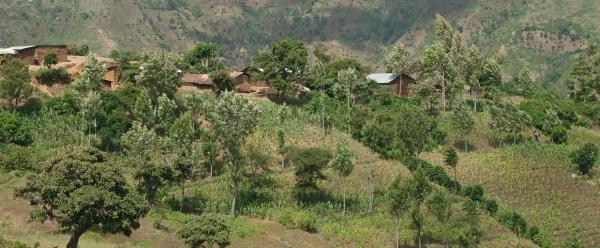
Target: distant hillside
543	34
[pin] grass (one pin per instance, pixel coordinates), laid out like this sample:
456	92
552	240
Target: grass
538	181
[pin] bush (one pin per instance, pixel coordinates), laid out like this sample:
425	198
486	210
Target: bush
66	104
490	205
585	158
81	50
206	231
33	105
468	236
542	240
559	135
13	157
474	193
14	129
51	76
307	221
310	164
513	221
572	242
286	219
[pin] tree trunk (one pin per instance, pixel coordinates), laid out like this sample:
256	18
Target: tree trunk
182	195
443	93
282	160
466	145
371	189
211	169
455	180
344	202
74	239
419	237
397	232
233	201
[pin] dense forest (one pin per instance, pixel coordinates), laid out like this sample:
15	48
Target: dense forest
471	160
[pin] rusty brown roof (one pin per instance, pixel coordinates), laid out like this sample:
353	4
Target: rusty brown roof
200	79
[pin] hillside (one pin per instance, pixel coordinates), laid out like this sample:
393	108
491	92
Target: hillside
541	34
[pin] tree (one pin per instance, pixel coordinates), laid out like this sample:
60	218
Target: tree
442	60
310	163
472	71
204	58
400	201
222	80
206	231
440	205
585	76
552	124
91	78
14	129
419	190
452	161
523	82
343	165
510	120
183	138
210	150
50	59
287	60
233	118
142	145
463	121
97	195
159	75
413	129
585	157
396	61
282	149
14	82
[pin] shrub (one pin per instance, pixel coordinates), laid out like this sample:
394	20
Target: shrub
559	135
310	164
468	236
286	219
81	50
13	157
14	129
206	231
33	105
513	221
542	240
572	242
52	76
490	205
307	221
532	231
66	104
474	193
585	158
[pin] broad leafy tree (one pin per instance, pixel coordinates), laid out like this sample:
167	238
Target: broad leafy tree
396	61
14	82
451	160
233	119
400	201
222	80
310	163
159	75
585	76
287	60
80	190
585	158
14	129
204	58
50	59
206	231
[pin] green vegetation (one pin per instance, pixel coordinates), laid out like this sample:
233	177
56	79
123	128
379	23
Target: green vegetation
366	168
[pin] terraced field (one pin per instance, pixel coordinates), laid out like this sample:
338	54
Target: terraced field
538	182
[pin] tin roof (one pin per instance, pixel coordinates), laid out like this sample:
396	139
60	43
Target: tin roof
383	78
201	79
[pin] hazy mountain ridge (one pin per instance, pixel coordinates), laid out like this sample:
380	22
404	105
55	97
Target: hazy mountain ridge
543	34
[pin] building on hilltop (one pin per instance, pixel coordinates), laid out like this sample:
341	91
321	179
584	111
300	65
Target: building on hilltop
34	55
196	82
402	84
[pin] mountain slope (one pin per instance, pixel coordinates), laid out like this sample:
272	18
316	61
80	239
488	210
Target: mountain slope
543	34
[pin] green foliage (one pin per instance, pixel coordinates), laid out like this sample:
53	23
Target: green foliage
68	104
286	60
159	75
343	163
91	78
97	195
207	231
222	80
451	158
51	76
12	244
513	221
13	157
585	158
14	129
583	83
396	61
50	59
572	242
204	58
310	163
79	50
14	82
510	120
475	193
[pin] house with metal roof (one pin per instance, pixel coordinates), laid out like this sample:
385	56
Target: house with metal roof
34	54
401	83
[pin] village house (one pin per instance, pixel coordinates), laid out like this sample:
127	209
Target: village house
402	84
196	82
252	74
34	55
